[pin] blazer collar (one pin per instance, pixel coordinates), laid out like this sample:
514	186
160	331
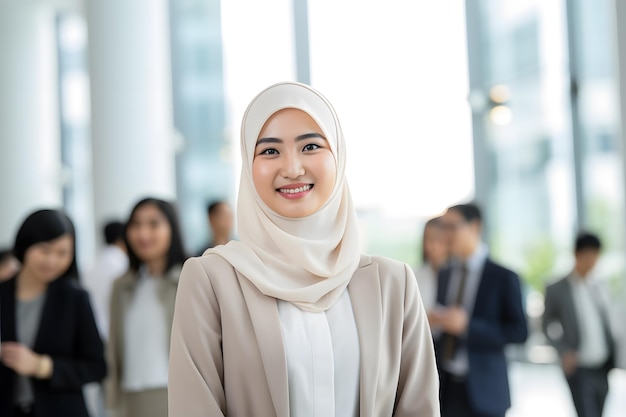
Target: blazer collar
266	324
365	296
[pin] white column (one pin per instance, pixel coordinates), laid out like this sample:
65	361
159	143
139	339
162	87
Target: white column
620	36
131	104
30	151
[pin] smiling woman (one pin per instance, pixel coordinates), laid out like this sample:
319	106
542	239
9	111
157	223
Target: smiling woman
292	320
142	304
50	342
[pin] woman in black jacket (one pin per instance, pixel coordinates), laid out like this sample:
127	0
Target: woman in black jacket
50	342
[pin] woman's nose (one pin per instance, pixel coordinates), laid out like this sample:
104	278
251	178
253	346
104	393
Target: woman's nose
292	166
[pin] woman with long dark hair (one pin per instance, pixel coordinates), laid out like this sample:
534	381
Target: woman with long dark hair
142	307
50	343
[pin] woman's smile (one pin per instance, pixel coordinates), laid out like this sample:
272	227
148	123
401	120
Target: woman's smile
294	191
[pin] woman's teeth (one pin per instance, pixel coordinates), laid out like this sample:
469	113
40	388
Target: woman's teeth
296	190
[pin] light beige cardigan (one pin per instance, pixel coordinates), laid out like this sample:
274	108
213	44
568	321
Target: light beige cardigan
227	356
121	298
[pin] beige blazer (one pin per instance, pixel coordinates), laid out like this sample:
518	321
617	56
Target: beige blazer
121	297
227	356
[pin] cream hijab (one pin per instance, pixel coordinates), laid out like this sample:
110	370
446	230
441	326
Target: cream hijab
306	261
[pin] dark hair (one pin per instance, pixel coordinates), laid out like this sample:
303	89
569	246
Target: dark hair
213	205
586	240
470	212
113	231
5	254
434	222
176	253
44	226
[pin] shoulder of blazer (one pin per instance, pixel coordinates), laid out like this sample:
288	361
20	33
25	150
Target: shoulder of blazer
126	281
65	289
492	267
558	285
173	274
213	263
387	267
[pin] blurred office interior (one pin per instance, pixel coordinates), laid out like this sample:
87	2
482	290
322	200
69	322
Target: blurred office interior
516	104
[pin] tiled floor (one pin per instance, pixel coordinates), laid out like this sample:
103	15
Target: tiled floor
541	391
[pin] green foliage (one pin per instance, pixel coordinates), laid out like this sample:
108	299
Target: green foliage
397	239
606	221
540	257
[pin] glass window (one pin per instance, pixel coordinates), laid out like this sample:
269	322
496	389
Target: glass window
530	207
602	170
75	129
398	80
204	169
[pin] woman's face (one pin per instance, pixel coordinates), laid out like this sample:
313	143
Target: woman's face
47	261
149	233
435	246
294	169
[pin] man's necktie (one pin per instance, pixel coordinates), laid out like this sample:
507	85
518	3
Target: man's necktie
450	341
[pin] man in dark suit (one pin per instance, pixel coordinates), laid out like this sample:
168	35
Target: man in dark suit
576	323
479	310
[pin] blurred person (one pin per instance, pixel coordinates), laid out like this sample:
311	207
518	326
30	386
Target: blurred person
434	257
9	265
292	320
142	307
576	322
479	310
50	341
111	263
220	218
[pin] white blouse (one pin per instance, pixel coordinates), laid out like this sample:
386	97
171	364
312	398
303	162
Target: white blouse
323	359
145	338
427	284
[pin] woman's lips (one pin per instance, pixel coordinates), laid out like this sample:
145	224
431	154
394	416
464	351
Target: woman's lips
294	191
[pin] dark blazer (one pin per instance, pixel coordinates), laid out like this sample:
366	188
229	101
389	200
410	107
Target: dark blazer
498	318
68	334
560	309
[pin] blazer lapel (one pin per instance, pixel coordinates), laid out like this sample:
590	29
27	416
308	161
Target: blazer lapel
266	323
485	283
365	295
568	302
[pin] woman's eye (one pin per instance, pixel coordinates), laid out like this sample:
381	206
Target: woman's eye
311	147
269	151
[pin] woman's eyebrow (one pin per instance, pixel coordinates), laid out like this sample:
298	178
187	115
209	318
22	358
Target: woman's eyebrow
298	138
268	140
309	136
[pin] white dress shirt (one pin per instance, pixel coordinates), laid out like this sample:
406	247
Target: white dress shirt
322	360
593	350
145	338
